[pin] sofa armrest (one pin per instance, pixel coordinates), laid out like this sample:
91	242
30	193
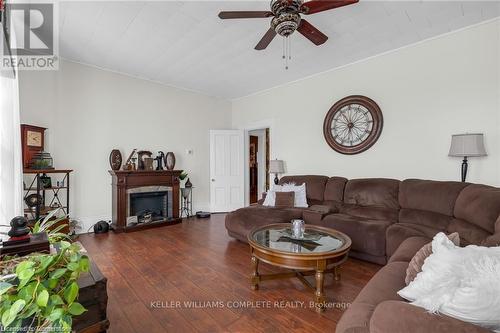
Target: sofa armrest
315	213
399	317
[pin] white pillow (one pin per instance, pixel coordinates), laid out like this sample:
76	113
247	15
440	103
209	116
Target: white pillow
300	198
300	194
462	283
271	195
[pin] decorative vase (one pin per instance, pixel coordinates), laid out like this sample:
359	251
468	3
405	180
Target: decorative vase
170	161
188	184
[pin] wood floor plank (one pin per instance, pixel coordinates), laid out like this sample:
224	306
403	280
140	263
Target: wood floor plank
193	277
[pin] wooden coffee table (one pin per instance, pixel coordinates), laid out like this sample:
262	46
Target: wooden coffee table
321	251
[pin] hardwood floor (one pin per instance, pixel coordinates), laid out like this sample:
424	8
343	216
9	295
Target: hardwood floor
193	277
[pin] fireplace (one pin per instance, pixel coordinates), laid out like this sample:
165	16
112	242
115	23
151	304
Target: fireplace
144	199
148	204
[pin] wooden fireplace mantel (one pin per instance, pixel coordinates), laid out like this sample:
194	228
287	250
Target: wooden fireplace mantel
122	180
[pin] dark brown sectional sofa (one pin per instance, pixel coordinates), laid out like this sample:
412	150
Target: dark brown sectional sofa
388	221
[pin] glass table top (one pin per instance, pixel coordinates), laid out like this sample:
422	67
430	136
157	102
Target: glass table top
281	239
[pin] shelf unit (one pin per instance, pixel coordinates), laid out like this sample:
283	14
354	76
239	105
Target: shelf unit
37	187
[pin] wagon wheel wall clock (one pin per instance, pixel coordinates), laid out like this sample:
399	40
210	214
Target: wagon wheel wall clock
353	125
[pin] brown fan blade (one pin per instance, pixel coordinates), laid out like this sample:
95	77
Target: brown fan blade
316	6
268	37
311	33
243	14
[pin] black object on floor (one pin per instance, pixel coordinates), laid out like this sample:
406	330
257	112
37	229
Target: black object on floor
202	215
101	227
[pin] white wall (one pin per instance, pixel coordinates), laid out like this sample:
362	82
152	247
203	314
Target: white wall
89	112
427	92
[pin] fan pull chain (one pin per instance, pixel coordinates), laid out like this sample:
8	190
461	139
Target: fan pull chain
284	45
287	50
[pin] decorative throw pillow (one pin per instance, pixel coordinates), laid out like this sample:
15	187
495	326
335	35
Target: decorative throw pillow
284	199
418	259
271	195
300	194
300	198
461	282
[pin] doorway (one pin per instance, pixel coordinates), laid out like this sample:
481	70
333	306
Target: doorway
258	163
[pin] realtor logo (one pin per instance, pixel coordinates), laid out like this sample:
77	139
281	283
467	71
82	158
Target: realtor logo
31	36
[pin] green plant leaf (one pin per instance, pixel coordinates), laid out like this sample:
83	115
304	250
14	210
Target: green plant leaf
56	300
4	287
71	292
58	273
24	265
42	298
45	262
84	264
56	314
76	309
64	244
26	274
29	311
5	319
27	292
52	283
66	323
9	316
36	227
25	277
73	266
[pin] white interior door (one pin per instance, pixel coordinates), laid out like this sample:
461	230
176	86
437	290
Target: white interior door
227	180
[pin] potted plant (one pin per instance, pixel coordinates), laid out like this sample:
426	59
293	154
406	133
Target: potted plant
38	292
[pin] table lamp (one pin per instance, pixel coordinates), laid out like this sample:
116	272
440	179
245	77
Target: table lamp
276	167
467	145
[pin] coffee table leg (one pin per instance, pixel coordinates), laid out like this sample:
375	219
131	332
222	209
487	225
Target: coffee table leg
255	278
319	296
336	273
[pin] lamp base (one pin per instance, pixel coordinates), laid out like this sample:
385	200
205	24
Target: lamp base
276	179
464	169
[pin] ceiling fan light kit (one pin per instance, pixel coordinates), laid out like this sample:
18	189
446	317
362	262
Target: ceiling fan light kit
286	19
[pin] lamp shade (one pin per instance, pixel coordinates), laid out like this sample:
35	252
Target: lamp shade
276	166
467	145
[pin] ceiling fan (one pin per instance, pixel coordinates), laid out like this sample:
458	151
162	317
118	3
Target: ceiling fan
286	18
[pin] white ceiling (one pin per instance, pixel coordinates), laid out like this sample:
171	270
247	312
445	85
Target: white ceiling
185	44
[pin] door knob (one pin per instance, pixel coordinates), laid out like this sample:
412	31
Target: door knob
213	179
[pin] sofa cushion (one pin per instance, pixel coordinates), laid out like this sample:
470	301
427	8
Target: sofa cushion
425	218
395	316
372	192
398	232
367	235
315	186
372	198
374	213
240	222
429	195
382	287
334	189
469	233
479	205
408	248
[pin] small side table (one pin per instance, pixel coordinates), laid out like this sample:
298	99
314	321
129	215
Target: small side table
186	202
